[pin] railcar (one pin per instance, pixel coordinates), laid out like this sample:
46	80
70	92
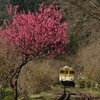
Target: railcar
67	76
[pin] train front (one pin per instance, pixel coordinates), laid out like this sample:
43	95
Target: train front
67	76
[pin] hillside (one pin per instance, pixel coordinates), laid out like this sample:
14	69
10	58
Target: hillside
83	18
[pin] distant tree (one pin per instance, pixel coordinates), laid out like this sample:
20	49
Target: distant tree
3	11
32	36
28	4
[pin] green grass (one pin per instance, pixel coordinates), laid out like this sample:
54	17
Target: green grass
7	94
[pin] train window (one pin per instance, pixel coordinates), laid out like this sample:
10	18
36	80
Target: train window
66	71
71	72
62	72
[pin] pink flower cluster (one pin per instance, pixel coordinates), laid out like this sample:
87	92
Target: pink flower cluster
35	34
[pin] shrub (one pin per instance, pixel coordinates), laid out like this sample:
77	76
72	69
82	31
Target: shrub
38	77
81	83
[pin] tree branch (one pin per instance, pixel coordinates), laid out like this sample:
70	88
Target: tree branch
94	15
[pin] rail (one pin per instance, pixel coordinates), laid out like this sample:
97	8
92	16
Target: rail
68	95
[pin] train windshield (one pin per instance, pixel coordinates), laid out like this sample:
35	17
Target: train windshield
71	72
66	71
61	71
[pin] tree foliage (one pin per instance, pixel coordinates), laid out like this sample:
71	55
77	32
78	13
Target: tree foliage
32	35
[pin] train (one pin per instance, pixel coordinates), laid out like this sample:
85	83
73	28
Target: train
67	76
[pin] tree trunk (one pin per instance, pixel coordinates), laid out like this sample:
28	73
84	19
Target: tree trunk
14	80
15	76
15	90
14	84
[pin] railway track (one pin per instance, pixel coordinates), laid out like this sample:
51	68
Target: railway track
75	95
61	93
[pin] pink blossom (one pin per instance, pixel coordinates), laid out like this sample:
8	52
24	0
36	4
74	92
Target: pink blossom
31	34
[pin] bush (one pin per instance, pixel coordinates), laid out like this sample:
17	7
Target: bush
81	83
38	77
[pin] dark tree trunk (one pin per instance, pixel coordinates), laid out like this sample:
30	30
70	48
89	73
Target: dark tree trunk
14	80
14	83
15	90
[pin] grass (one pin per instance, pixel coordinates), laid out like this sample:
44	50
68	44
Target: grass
7	94
92	92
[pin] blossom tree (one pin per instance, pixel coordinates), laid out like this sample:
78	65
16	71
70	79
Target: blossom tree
32	36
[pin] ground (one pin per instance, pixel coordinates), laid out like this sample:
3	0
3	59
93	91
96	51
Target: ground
57	91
